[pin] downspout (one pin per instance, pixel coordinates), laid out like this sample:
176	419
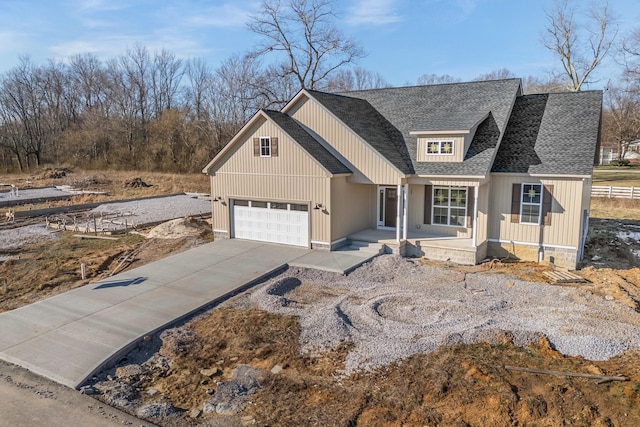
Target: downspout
474	238
398	207
405	213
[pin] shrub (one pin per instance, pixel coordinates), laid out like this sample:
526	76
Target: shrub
623	162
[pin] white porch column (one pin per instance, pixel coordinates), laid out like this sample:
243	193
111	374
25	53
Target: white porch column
405	211
474	220
398	207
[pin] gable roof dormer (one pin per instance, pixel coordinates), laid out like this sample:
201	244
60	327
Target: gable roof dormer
476	113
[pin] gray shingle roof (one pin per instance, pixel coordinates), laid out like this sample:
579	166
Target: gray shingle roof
551	134
457	106
308	142
370	125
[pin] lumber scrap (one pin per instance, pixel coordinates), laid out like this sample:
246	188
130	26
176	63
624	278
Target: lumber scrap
88	236
601	378
559	277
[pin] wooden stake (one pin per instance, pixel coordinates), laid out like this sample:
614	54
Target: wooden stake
601	378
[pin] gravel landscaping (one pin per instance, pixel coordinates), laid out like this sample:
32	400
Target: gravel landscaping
27	235
137	213
156	210
27	196
394	307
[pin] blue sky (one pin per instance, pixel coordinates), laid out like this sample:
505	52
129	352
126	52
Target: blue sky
404	39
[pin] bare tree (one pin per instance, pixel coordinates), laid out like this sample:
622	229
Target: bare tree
166	75
533	84
499	74
88	79
581	48
622	121
311	48
357	78
437	79
199	78
631	57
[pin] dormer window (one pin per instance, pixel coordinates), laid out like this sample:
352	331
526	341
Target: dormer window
444	146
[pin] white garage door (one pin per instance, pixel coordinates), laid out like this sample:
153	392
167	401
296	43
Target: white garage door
275	222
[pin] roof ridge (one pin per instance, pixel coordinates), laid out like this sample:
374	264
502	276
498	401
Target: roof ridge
429	85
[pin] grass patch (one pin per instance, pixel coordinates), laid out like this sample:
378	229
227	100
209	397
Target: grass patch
58	266
602	207
622	177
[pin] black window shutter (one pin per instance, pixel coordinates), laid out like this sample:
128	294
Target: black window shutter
256	147
547	199
515	203
274	147
428	194
470	206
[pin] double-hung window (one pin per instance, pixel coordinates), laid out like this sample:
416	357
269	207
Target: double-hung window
450	206
530	203
265	146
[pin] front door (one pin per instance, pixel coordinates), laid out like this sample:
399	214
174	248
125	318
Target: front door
387	207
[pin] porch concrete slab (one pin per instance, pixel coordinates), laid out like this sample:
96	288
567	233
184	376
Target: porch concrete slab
340	261
71	336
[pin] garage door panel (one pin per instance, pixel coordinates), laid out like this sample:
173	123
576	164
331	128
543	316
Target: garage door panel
289	227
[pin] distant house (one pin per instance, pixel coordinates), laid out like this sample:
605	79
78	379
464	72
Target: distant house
453	172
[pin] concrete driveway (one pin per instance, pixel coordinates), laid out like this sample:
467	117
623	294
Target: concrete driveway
69	337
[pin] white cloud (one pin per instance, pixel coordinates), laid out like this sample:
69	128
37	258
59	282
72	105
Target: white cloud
101	5
225	16
9	40
376	12
450	11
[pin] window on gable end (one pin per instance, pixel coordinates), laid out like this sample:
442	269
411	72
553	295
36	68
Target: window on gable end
265	146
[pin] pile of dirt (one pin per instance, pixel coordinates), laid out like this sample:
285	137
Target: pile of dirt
180	227
136	183
54	173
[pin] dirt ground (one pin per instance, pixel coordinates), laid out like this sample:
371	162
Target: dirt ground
460	385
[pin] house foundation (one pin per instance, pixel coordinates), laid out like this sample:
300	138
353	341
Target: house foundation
559	257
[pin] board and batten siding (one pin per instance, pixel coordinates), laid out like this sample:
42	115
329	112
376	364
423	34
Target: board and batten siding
291	160
353	207
566	211
370	166
458	149
291	176
416	209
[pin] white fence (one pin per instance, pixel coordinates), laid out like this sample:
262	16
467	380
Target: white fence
615	192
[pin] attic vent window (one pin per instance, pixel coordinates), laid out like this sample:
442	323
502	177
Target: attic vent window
440	147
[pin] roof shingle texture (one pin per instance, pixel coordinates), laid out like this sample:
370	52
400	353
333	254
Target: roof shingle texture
553	134
370	125
447	107
308	142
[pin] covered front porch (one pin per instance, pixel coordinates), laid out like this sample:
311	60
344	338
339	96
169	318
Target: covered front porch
430	245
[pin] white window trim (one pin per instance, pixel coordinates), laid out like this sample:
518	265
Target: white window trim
440	143
268	146
522	202
433	206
